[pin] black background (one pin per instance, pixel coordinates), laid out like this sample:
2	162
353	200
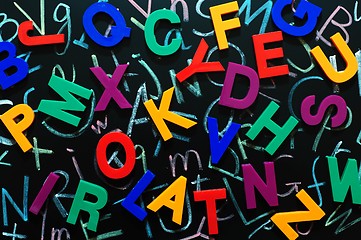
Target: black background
297	168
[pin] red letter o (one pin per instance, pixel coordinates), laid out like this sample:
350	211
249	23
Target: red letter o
101	155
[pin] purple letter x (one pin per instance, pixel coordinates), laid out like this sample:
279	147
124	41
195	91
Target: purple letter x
111	90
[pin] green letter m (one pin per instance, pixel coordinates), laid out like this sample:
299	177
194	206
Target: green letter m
350	178
57	108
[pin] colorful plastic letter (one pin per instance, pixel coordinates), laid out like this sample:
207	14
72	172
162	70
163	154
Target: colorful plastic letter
159	115
219	147
57	108
304	8
252	180
44	193
102	160
210	196
177	190
129	201
118	32
27	40
265	121
221	26
198	65
80	204
226	99
10	61
150	37
16	127
282	220
347	55
349	180
336	120
111	90
262	54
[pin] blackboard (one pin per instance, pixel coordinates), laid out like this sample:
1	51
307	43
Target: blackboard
70	152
